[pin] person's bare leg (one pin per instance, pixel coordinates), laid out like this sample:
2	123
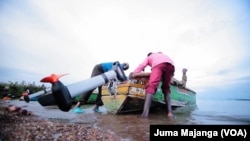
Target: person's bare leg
98	102
147	104
168	105
77	104
96	108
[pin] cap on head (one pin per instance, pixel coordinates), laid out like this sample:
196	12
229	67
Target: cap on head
125	66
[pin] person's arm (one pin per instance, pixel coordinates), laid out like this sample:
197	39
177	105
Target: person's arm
142	66
139	69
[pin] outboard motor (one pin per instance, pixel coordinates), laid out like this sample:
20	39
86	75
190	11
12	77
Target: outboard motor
63	94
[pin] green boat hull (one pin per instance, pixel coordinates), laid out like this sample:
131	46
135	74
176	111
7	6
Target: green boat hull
179	96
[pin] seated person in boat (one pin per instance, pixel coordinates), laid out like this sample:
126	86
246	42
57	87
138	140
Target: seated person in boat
183	81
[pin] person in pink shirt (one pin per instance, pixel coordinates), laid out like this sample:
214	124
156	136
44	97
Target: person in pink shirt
162	70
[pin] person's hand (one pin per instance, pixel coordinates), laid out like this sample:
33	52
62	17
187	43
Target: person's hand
131	76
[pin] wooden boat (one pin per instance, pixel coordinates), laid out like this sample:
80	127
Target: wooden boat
130	96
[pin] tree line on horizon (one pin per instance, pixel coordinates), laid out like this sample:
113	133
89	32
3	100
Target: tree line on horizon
16	89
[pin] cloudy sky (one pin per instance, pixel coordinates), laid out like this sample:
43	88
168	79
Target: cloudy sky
211	38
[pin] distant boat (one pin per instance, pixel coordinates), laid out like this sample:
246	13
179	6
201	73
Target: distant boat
130	96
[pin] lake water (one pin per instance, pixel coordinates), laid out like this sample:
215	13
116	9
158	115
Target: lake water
132	128
221	112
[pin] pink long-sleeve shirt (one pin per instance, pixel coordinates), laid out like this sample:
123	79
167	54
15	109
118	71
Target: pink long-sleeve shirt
153	60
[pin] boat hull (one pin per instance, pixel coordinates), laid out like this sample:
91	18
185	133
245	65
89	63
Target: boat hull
131	95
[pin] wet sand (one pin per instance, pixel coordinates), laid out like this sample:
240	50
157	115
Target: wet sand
21	127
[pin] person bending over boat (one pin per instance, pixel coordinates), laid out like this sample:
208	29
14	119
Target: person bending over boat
97	70
162	70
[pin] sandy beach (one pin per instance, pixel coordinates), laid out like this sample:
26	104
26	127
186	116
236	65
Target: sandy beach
20	127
